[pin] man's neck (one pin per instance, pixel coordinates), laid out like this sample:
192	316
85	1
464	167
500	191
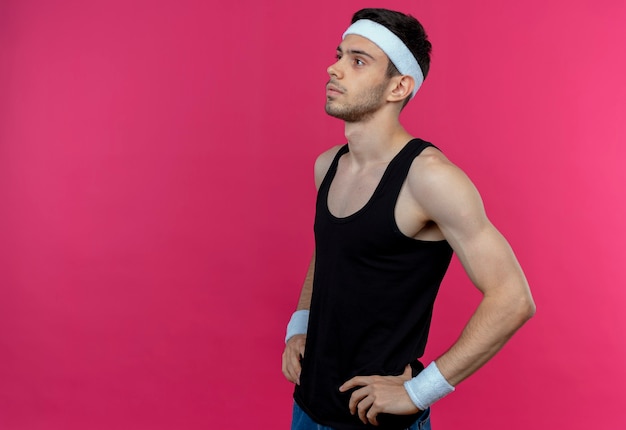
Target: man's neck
375	139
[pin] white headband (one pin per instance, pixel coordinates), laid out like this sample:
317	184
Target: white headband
391	45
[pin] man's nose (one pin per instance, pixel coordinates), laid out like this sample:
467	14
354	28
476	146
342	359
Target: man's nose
334	70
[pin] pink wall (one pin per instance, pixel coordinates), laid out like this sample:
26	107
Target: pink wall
157	196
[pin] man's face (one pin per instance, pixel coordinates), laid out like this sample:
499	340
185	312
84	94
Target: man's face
358	81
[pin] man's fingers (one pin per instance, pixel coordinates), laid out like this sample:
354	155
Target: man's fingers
292	374
287	368
295	369
301	350
357	381
372	416
377	394
364	407
293	353
291	366
356	398
408	372
362	402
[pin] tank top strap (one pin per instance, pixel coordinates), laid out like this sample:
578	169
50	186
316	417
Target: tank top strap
401	164
332	170
394	175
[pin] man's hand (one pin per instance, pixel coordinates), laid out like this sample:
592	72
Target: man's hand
380	394
294	351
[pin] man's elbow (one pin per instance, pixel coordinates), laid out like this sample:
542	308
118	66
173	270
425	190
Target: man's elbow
525	308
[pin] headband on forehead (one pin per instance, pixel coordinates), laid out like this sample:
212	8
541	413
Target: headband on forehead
392	46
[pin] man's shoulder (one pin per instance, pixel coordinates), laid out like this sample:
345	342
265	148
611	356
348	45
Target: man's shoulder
327	156
430	163
323	162
433	173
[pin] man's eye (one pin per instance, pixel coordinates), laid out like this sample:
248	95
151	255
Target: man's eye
338	56
358	62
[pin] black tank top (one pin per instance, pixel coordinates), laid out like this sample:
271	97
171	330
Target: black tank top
373	295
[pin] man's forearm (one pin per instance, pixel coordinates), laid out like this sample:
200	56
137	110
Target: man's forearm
496	319
307	288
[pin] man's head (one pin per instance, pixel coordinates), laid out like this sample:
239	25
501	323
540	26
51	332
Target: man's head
377	62
407	29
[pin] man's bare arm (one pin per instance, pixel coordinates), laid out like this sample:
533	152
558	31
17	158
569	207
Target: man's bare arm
453	203
295	346
304	302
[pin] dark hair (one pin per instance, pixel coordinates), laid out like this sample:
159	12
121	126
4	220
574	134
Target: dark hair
407	28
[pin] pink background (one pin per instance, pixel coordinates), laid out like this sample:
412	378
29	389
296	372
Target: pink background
157	202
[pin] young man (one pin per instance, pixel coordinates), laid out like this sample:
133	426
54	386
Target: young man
390	211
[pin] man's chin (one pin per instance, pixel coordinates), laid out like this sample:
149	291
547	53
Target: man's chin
335	113
330	112
346	117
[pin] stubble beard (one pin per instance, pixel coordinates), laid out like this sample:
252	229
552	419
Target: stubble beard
362	108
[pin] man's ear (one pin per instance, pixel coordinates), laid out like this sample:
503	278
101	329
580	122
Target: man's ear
402	88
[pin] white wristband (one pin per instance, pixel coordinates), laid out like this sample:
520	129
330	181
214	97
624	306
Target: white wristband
428	387
297	324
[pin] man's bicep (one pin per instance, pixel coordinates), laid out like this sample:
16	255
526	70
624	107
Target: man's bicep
489	260
456	206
